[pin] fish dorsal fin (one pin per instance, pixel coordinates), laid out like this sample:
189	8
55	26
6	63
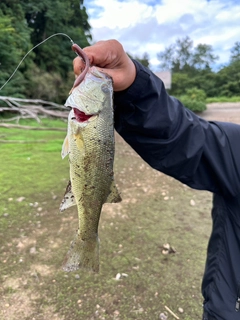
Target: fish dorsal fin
65	148
68	199
114	195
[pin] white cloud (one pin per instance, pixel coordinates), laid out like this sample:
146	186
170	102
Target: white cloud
151	25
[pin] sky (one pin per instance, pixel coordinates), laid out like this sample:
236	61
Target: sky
152	25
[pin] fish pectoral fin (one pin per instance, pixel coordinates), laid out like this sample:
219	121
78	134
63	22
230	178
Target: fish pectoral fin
68	199
78	138
114	195
65	148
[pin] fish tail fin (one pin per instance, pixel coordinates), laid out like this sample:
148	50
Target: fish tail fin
83	254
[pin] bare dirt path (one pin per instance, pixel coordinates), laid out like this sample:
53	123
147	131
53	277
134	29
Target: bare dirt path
229	112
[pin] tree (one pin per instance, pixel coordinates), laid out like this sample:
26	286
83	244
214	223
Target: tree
183	57
228	80
235	52
203	57
144	60
26	23
190	66
14	42
47	17
167	58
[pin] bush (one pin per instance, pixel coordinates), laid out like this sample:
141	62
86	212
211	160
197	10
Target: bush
193	105
194	99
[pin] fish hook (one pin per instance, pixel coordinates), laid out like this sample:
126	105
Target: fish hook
83	55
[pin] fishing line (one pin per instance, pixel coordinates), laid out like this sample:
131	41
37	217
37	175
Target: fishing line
53	35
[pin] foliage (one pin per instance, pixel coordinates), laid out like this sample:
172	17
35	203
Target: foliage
196	94
228	79
24	24
193	105
14	41
235	52
191	67
144	60
182	56
194	99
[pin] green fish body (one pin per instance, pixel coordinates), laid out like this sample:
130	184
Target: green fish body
90	146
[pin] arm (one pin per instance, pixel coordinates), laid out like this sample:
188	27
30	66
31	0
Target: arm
172	139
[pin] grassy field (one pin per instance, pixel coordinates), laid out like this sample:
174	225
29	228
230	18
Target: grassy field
136	280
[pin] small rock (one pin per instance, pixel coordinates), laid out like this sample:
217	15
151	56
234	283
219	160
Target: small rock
5	214
34	205
77	276
125	275
165	252
166	246
118	276
20	199
180	310
162	316
168	249
192	203
33	250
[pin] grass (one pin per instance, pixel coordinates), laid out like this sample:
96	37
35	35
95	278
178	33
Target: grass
155	210
223	99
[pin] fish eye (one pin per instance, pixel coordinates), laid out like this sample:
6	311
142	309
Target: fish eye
105	88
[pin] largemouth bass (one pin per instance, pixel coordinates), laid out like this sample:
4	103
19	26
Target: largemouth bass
90	146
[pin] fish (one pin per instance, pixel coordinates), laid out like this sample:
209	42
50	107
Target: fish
90	147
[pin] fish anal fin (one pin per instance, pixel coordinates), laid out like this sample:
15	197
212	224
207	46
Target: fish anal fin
68	199
114	195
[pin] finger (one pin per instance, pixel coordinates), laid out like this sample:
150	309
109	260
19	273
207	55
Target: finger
78	66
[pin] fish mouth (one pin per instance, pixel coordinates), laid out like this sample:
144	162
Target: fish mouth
80	116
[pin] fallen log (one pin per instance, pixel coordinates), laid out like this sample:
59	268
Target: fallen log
23	141
32	108
10	125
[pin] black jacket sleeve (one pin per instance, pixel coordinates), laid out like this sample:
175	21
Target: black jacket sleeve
172	139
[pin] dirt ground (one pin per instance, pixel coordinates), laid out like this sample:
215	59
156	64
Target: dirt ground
33	288
229	112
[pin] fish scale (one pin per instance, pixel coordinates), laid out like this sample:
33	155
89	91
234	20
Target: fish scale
90	146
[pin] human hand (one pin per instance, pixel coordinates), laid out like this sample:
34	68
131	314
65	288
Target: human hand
110	57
